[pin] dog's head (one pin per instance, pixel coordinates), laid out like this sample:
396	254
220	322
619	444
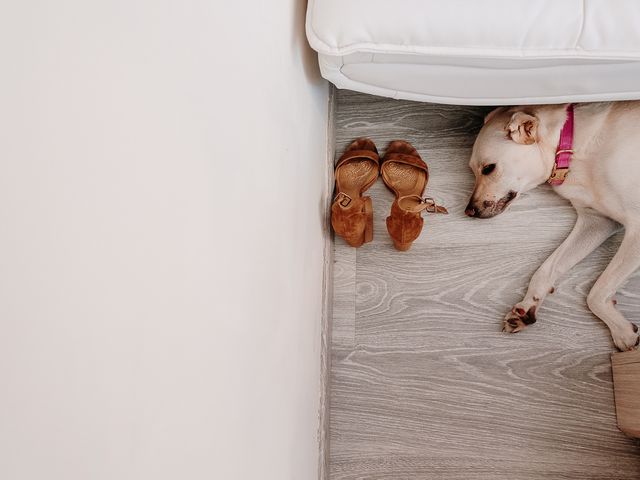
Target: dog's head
507	160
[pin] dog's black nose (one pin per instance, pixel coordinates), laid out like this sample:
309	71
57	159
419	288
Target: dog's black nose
470	211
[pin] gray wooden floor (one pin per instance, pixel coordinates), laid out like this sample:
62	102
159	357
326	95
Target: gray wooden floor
423	383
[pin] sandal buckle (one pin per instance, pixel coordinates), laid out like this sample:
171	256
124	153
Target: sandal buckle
343	199
430	204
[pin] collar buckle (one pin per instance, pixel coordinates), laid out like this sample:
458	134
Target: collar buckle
558	175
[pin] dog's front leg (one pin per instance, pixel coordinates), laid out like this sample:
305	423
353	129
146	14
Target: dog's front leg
590	230
600	299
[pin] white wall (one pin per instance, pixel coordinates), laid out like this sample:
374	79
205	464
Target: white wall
162	174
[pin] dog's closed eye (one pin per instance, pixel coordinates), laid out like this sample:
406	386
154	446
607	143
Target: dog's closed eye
487	169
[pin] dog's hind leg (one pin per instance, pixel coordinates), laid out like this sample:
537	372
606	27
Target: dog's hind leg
600	299
590	230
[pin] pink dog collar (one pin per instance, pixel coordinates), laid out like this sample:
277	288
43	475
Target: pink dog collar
564	152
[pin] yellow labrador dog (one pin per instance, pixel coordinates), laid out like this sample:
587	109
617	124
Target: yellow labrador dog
589	152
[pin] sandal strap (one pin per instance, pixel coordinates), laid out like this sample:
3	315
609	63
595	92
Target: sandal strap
347	202
416	204
407	159
355	154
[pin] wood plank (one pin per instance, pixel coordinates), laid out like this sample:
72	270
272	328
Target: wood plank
344	296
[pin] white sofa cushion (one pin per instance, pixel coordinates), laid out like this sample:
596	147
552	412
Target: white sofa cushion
487	52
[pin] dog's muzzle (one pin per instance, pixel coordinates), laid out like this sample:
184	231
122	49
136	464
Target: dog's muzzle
489	208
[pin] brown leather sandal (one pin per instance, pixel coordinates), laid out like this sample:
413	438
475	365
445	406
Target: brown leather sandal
406	175
351	213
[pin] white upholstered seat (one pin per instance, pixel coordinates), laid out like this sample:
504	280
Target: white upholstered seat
487	52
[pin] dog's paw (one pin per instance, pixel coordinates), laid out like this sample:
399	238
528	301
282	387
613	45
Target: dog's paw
627	339
518	319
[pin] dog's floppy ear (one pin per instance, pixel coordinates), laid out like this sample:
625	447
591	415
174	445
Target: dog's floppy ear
523	128
492	114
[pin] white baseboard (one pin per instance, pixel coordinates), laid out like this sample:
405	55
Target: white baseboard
327	298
